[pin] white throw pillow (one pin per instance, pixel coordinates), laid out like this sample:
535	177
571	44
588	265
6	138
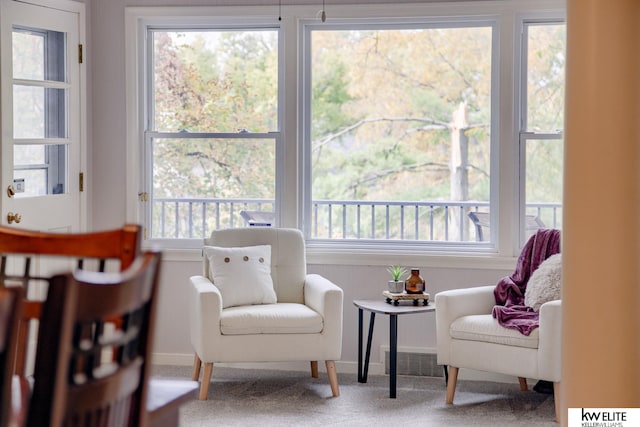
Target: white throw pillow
545	283
243	275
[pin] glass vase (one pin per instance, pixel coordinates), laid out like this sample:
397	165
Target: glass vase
414	283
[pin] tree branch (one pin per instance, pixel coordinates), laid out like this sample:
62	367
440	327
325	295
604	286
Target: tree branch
382	174
432	123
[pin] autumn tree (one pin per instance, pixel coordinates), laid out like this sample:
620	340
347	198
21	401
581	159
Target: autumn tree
198	89
417	109
396	114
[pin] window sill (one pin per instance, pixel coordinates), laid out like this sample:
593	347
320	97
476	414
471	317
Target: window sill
426	259
383	257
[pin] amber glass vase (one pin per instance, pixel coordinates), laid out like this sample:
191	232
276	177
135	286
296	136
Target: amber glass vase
414	283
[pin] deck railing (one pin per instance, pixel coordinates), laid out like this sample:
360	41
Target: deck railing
338	219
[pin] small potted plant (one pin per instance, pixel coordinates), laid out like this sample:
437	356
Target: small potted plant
396	285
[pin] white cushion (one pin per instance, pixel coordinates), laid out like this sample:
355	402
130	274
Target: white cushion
483	327
282	318
242	274
545	283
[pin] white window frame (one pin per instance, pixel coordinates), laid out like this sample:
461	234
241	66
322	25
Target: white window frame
524	134
291	161
151	132
166	19
308	27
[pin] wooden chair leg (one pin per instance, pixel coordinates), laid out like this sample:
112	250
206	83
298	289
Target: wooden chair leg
556	400
451	384
523	384
333	377
197	363
206	380
314	369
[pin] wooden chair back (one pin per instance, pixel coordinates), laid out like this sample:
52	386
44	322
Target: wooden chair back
29	258
10	311
87	373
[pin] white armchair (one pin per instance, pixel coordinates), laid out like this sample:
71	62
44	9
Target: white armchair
304	324
469	337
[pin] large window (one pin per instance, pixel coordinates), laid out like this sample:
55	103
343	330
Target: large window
213	128
440	132
400	130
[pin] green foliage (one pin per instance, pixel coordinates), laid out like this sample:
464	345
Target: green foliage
329	96
396	272
383	119
545	81
215	82
401	97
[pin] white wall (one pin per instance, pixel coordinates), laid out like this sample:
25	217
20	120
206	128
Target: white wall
107	182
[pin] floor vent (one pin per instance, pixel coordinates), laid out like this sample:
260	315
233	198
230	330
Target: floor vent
418	364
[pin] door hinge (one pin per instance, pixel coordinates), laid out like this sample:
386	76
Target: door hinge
145	234
80	57
81	182
143	197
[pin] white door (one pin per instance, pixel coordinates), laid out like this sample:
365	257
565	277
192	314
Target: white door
41	117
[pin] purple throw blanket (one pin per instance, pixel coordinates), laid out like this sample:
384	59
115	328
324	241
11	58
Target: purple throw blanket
509	292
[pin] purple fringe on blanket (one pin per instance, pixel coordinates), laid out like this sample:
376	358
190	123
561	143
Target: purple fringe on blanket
509	292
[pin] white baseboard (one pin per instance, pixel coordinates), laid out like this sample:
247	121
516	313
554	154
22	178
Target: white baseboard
344	367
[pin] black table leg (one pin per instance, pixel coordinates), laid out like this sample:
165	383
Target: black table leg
363	371
360	345
372	319
393	341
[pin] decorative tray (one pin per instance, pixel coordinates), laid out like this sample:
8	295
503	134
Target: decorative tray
395	298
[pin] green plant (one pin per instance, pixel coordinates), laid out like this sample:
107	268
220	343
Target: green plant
397	272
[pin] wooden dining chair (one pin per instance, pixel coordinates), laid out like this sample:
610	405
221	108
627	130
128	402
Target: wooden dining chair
77	379
10	310
29	258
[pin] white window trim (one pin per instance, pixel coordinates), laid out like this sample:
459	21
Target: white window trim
520	99
307	27
507	14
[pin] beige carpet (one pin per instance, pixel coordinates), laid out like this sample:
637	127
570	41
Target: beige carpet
261	398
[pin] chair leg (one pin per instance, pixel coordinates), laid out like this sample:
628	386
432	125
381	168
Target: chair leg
197	363
206	380
451	384
314	369
556	400
523	384
333	377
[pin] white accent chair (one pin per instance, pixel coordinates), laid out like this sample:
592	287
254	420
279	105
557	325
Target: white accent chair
469	337
304	324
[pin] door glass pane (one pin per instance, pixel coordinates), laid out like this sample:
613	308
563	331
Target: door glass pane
39	111
28	155
38	54
28	55
39	169
30	182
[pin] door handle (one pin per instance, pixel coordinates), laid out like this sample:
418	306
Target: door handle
14	217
